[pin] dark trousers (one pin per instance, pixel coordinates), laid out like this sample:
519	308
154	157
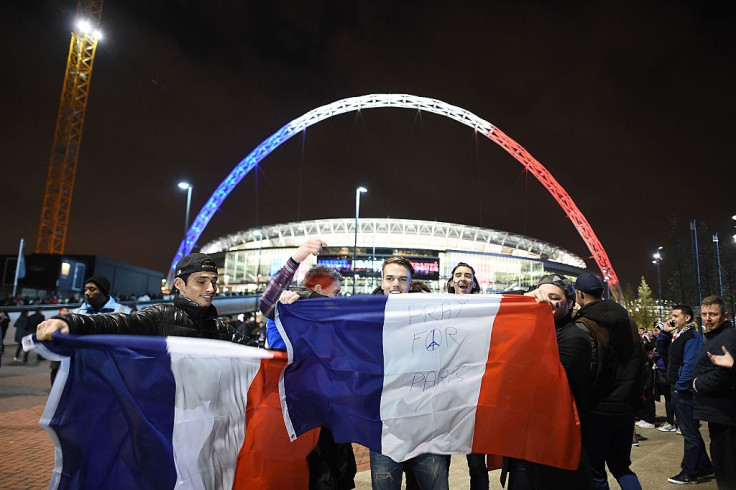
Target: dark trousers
695	461
19	349
723	452
478	471
609	443
668	408
648	410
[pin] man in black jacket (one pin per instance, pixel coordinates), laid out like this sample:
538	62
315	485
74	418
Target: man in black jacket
715	391
616	378
191	315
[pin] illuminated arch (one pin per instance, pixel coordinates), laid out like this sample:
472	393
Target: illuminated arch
403	101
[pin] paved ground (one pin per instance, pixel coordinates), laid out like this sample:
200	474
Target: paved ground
27	454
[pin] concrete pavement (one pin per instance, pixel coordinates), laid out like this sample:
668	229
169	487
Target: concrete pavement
27	453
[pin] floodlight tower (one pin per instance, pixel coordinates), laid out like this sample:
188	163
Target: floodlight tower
57	198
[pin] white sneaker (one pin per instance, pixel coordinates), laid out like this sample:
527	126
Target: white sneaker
667	428
644	424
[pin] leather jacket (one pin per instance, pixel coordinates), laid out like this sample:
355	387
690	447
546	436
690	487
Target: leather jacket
184	318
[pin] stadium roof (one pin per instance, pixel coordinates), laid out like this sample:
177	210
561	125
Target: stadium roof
394	233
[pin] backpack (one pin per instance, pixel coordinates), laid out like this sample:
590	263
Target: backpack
603	357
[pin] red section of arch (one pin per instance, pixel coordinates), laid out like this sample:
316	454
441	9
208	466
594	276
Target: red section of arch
565	201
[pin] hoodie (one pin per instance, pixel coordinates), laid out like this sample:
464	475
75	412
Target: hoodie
618	382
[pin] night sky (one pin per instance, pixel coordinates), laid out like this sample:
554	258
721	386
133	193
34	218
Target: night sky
630	105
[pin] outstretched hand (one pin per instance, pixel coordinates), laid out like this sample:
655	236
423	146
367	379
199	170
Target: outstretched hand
726	360
46	328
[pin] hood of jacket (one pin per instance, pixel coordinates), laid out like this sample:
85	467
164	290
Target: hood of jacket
605	312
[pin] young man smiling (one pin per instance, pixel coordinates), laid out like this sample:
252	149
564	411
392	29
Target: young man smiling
191	314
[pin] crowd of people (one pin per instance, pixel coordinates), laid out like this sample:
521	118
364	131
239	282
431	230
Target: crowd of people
609	364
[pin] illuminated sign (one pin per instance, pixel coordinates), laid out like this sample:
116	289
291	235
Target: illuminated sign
425	269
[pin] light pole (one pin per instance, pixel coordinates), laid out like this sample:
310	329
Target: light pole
718	262
186	186
658	258
259	234
694	229
358	192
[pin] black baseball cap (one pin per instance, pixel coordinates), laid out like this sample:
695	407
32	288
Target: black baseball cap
196	262
589	283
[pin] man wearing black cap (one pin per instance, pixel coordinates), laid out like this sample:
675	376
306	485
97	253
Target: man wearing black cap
616	365
191	315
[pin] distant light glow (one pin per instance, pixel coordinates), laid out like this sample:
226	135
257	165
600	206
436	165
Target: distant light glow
184	185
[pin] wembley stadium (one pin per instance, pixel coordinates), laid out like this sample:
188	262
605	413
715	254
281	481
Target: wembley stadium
504	262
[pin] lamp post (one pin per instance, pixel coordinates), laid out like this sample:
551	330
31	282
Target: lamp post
658	258
259	234
358	192
694	229
186	186
718	262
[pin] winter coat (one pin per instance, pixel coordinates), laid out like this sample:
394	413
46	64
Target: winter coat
617	381
715	386
184	318
20	328
684	353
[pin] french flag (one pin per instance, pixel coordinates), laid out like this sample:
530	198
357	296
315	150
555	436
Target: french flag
409	374
169	412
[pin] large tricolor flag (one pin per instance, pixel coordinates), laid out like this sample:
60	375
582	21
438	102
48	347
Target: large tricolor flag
430	373
158	413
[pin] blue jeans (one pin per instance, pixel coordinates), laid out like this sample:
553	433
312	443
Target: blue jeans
695	461
609	442
430	470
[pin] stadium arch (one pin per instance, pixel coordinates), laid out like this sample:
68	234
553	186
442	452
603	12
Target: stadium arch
403	101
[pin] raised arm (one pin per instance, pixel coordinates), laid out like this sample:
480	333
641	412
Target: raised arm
280	282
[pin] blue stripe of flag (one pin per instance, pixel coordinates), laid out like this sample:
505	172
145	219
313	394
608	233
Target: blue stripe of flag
336	378
116	408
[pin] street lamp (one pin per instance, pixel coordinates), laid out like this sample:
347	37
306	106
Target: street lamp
718	261
358	192
259	234
186	186
658	259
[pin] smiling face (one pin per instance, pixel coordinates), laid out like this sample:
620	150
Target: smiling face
463	280
396	279
199	287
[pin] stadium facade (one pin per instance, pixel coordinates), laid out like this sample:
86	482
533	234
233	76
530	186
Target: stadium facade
503	261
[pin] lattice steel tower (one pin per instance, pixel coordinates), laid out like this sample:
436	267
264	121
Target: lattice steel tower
57	197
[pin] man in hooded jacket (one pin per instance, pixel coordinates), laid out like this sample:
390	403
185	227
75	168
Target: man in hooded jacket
616	370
